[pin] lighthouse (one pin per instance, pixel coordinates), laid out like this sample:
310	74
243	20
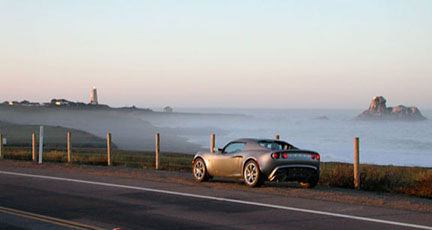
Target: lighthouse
93	97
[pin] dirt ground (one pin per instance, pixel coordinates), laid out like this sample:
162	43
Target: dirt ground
395	201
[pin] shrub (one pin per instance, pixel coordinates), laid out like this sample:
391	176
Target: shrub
393	179
422	185
337	175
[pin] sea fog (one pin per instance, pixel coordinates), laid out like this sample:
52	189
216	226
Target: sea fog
330	132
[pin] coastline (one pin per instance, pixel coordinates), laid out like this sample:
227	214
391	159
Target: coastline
382	143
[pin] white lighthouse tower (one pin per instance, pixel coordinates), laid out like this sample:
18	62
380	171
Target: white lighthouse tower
93	97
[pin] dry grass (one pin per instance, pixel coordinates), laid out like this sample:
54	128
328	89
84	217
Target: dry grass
98	156
392	179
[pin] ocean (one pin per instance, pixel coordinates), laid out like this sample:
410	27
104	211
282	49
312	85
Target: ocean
330	132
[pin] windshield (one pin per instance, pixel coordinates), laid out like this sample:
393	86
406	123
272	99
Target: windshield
276	145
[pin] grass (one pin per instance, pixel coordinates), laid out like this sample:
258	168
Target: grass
414	181
98	156
392	179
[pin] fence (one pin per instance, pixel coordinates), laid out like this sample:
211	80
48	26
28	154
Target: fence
110	156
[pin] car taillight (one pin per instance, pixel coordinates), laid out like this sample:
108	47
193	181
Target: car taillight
315	156
275	155
284	155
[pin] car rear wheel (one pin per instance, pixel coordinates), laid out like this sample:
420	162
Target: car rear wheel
252	175
200	170
310	183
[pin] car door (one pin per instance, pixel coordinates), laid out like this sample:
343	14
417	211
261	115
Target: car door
228	162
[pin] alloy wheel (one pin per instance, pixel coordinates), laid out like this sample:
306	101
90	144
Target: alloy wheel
251	173
199	170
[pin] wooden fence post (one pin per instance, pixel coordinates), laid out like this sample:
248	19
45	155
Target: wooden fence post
41	139
69	147
277	137
356	163
1	147
109	149
34	157
157	149
212	143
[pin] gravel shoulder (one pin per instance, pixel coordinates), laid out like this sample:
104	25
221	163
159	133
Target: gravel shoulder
347	196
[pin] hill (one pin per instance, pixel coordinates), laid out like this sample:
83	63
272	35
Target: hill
130	127
54	136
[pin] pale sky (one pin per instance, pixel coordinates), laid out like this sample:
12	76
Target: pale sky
235	54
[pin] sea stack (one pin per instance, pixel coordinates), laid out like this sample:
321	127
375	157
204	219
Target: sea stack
378	110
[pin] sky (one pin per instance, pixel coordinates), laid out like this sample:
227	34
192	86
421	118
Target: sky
218	54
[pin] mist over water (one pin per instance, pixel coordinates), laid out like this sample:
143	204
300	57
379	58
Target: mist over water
330	132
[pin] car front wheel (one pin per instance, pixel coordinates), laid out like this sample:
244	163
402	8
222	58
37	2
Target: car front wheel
200	170
252	175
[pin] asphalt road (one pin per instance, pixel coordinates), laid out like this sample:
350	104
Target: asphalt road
52	200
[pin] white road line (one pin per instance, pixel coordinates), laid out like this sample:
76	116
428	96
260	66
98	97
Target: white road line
223	200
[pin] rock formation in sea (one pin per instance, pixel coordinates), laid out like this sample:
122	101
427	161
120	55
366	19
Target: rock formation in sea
378	110
321	118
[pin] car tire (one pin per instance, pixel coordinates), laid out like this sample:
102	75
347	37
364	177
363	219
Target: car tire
199	170
312	182
252	175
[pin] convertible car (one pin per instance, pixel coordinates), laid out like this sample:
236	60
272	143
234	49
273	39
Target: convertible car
258	160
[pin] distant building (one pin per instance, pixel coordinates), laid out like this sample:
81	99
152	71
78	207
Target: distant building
28	103
93	97
22	103
60	102
168	109
13	103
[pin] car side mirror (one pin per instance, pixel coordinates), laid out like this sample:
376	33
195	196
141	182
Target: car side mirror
217	150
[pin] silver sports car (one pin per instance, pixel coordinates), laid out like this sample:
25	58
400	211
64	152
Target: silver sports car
258	160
